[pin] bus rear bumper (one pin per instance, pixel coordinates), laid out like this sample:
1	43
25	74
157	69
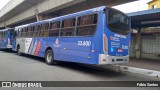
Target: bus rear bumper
106	59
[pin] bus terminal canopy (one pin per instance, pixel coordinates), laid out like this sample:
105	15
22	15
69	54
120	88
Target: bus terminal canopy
147	18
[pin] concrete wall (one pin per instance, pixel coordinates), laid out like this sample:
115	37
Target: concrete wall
43	7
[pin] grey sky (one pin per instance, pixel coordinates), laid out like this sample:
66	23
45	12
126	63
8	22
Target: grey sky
133	6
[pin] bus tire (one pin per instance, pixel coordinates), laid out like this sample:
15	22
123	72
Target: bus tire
49	57
18	51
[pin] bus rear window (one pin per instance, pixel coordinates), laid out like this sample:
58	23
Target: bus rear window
118	22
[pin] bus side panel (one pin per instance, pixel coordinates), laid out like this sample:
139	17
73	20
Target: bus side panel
3	43
14	45
46	43
97	42
6	41
76	49
37	46
9	40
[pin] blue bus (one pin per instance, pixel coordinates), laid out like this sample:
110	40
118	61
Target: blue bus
6	36
96	36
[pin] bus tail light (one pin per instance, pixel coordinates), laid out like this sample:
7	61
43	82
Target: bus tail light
105	43
104	60
94	50
120	50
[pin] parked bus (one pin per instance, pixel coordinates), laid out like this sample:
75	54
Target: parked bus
6	38
95	36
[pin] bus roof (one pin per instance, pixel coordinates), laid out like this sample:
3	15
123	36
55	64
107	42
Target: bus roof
2	30
64	17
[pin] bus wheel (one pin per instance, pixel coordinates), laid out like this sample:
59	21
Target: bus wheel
49	57
18	51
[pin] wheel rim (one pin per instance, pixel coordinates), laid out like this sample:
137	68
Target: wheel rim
49	57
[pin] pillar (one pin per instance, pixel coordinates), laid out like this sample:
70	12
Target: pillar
138	46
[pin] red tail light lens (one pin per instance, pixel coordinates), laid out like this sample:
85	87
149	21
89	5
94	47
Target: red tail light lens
105	43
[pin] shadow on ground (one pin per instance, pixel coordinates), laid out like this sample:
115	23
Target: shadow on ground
83	68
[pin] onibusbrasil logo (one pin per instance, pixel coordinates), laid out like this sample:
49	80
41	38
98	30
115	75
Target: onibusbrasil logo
19	84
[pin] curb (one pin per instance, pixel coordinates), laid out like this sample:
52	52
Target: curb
135	70
146	72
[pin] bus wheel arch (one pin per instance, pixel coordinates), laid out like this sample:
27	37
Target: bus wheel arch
18	50
49	56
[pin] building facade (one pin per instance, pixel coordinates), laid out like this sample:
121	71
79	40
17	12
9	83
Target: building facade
154	4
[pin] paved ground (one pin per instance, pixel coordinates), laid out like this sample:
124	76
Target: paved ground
28	68
145	63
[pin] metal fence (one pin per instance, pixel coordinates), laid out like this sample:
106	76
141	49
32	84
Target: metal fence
151	44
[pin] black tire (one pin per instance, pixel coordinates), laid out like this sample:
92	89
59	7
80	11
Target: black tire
49	57
18	51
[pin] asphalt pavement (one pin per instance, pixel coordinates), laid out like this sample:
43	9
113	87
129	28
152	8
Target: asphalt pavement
29	68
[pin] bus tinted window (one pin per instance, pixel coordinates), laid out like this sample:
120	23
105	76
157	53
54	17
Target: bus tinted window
23	32
44	30
86	25
68	27
14	34
19	32
54	29
26	30
0	34
5	34
36	31
29	33
118	22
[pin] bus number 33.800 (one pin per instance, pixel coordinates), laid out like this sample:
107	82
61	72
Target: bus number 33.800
84	43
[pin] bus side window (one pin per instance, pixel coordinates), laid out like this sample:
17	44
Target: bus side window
39	30
44	30
36	31
0	34
14	34
19	32
29	33
68	27
3	34
22	32
54	29
6	34
11	33
26	30
86	25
